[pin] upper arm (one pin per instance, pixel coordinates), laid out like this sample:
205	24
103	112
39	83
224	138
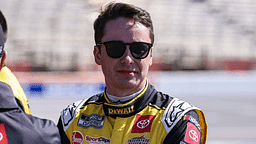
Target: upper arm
63	136
186	130
184	122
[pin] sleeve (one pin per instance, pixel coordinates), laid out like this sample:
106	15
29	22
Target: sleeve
63	136
51	133
186	131
43	130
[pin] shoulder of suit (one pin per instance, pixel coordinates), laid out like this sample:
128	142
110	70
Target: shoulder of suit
174	111
68	114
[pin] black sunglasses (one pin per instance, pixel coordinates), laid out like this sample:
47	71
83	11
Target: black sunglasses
116	49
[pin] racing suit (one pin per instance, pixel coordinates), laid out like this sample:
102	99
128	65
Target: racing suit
151	117
6	76
16	126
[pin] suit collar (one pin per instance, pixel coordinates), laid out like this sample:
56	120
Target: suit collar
131	107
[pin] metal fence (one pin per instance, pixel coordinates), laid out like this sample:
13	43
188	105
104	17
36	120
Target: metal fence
57	35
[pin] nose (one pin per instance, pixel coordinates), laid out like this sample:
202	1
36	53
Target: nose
127	58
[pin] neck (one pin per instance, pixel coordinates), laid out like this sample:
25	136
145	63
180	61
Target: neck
115	99
122	92
2	59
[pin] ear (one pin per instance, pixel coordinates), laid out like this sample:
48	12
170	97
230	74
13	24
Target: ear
97	56
3	59
151	57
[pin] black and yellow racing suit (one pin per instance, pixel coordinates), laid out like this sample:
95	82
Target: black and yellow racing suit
150	118
17	125
6	76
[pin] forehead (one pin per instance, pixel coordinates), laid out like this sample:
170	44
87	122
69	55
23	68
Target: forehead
126	30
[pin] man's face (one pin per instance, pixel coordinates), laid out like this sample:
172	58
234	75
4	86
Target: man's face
125	75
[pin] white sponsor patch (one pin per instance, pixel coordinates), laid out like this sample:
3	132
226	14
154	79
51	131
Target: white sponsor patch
93	120
175	110
97	140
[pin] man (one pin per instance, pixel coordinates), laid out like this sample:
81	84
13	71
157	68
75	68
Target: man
17	125
130	110
7	75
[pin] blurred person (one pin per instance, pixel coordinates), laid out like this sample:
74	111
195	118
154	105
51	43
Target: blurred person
17	125
130	110
5	73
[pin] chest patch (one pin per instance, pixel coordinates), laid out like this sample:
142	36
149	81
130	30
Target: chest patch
142	123
138	140
77	137
98	140
93	120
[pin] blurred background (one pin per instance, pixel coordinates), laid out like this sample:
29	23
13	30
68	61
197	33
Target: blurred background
204	53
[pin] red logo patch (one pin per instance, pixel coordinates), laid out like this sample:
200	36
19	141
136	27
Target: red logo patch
77	137
3	136
192	134
142	123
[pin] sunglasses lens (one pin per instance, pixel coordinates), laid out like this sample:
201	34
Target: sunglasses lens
115	49
140	50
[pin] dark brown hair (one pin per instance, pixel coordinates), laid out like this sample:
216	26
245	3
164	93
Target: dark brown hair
115	10
3	24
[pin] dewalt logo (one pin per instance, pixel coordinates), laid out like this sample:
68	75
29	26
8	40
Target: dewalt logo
121	111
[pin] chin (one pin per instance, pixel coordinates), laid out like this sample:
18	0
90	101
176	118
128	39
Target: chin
128	83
